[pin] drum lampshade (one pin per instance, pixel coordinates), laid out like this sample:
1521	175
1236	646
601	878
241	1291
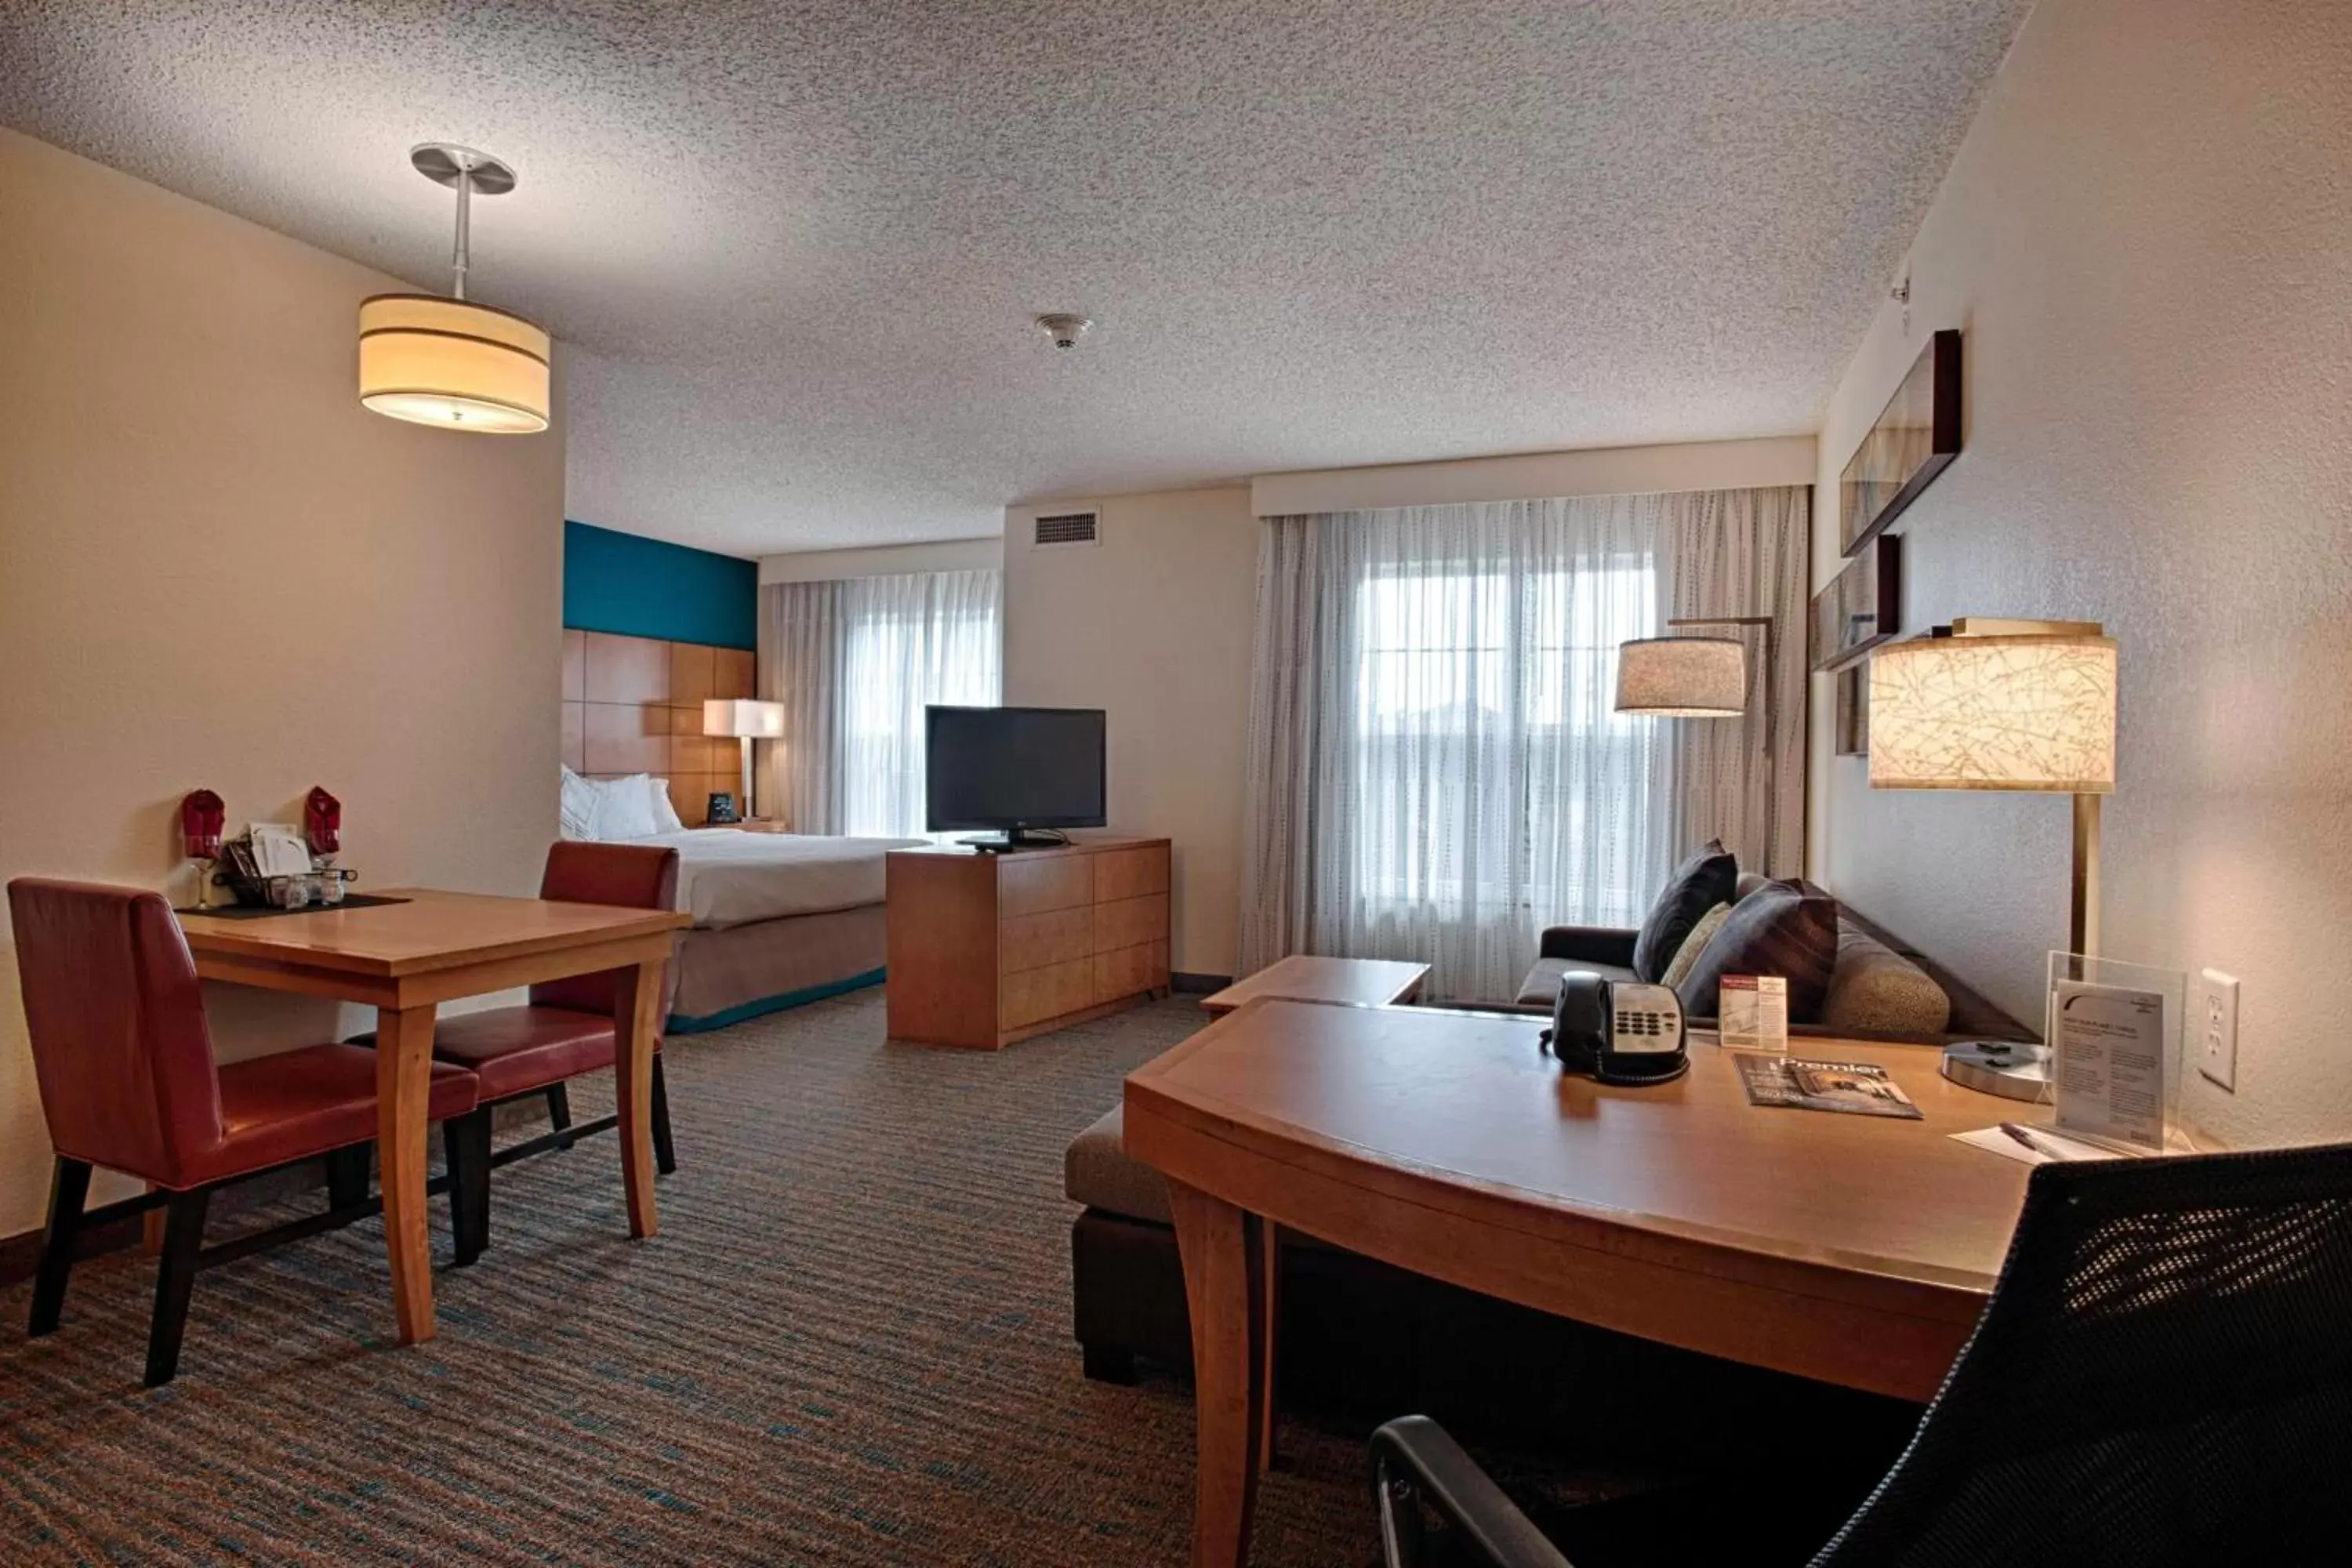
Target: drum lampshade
453	364
1682	677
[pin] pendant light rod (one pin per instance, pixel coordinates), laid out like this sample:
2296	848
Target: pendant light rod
469	172
465	211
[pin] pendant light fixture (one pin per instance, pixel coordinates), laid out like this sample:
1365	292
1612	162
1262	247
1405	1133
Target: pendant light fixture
450	361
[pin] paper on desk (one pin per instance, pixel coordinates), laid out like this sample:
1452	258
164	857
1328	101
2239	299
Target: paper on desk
278	849
2110	1042
1992	1140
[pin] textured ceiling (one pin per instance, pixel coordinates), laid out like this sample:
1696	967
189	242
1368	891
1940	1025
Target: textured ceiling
795	248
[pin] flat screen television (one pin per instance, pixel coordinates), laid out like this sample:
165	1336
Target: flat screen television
1012	770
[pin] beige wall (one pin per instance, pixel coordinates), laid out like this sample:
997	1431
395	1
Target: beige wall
2144	237
1152	624
216	569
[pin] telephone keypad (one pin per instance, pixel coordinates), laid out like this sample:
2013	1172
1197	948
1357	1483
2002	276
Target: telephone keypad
1637	1029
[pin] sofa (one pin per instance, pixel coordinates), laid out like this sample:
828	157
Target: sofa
1878	990
1361	1338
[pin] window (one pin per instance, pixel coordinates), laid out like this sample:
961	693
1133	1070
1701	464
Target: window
908	642
1486	740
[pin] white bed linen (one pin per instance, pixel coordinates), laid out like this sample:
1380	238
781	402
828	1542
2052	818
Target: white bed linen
729	878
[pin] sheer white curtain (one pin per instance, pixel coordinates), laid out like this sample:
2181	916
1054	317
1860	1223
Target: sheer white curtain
855	662
1436	768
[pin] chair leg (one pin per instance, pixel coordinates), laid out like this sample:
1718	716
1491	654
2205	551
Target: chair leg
665	1150
69	1190
558	1111
347	1175
1107	1363
467	1141
184	1238
1401	1526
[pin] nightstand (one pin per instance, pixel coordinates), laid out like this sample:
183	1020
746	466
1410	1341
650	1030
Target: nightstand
762	824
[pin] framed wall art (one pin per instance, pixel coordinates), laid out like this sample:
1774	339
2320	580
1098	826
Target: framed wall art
1861	608
1852	735
1916	436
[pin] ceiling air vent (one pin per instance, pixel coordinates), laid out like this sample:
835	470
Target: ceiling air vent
1065	528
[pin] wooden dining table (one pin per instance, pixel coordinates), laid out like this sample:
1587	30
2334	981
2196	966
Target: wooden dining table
1858	1250
405	959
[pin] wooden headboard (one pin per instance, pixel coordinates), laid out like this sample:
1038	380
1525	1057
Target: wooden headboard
634	705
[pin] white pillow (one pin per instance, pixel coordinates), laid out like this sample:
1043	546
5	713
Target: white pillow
666	819
626	810
577	809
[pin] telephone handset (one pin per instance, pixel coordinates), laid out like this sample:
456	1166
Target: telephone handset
1620	1031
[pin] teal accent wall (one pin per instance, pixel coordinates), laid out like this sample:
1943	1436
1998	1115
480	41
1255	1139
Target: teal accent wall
648	588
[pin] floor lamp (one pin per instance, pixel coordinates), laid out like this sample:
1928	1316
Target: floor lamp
745	721
1703	677
2005	705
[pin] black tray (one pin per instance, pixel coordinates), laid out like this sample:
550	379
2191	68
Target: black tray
263	912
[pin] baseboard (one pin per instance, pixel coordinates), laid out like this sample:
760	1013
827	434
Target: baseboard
20	1255
1198	984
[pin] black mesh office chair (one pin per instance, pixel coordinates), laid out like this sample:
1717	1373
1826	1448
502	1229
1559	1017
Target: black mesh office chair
2163	1375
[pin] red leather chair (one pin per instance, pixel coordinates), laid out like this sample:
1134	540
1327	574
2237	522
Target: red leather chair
567	1030
127	1079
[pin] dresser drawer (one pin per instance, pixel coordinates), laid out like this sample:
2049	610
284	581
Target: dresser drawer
1129	970
1033	941
1032	885
1131	923
1130	873
1033	995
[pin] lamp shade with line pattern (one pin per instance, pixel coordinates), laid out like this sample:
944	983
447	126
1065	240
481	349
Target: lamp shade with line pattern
1683	677
1994	712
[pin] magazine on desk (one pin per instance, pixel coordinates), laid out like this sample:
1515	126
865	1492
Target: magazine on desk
1858	1088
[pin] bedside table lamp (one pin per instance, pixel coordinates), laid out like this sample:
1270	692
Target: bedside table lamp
745	721
2005	705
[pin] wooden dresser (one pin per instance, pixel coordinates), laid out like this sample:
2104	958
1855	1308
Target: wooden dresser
989	949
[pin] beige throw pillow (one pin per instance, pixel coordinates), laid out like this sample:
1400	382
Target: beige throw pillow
1686	956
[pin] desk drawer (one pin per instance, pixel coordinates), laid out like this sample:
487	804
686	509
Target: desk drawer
1032	885
1037	994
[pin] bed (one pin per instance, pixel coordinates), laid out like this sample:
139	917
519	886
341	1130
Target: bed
779	919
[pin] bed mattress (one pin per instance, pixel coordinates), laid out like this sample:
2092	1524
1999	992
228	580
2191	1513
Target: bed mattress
728	878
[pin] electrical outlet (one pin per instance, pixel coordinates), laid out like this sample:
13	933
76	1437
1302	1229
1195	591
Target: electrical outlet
2217	1030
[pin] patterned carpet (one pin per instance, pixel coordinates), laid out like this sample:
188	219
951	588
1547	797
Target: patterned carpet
850	1343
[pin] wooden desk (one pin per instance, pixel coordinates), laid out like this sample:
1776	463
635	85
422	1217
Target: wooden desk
403	959
1359	982
1855	1249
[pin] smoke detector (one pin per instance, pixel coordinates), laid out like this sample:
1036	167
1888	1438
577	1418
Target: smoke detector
1065	330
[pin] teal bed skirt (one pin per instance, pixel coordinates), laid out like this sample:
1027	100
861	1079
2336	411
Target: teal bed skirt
680	1025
